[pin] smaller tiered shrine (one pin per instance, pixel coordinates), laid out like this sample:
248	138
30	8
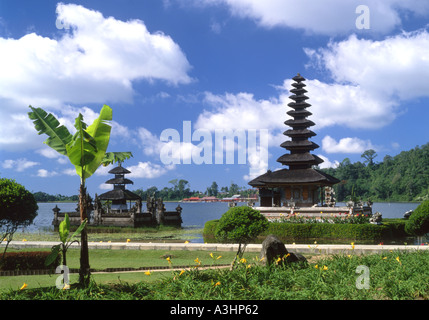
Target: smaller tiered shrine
119	195
123	208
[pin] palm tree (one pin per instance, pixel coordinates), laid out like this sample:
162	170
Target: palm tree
86	150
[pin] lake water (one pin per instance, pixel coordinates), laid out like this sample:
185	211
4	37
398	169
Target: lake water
195	215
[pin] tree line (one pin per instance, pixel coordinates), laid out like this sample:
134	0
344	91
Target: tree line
404	177
179	189
45	197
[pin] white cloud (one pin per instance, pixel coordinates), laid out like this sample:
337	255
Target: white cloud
94	61
345	105
43	173
52	154
391	68
105	186
18	165
240	111
345	145
167	151
327	17
71	172
149	142
257	162
148	170
327	163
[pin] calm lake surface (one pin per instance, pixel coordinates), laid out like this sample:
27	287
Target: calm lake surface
195	215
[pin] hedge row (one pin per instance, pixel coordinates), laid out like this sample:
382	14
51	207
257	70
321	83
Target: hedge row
324	231
32	260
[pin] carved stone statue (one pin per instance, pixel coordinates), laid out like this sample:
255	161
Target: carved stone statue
376	218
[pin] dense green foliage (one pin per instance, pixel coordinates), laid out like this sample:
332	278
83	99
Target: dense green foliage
418	222
181	189
16	203
393	275
240	225
18	208
404	177
45	197
344	232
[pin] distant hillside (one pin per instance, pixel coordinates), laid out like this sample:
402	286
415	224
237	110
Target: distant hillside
404	177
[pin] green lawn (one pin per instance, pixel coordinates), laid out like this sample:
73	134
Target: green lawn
102	259
162	233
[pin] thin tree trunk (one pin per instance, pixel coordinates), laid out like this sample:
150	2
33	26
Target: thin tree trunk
84	273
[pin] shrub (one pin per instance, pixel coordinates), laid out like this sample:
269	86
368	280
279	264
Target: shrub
326	231
240	225
302	231
16	203
32	260
418	223
209	229
18	208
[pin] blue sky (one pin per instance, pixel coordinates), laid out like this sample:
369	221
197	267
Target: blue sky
220	64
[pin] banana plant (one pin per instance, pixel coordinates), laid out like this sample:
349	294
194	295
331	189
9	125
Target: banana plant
86	150
66	241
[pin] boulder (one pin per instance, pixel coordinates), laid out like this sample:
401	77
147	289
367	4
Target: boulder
273	248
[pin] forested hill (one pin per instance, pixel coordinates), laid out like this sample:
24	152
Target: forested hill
404	177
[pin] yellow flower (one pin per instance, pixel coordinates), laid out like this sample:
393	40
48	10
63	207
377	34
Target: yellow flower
262	259
278	260
218	257
197	261
349	255
384	258
186	241
23	286
217	284
325	268
248	266
128	240
168	259
353	245
181	272
211	255
147	273
24	240
397	259
287	255
109	241
242	260
66	287
316	266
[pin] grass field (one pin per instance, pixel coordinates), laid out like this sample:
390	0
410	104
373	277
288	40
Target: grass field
103	259
163	233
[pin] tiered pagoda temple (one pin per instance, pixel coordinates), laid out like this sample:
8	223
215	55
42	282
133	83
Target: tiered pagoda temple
119	195
300	187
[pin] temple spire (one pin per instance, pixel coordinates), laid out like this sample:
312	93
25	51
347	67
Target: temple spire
299	145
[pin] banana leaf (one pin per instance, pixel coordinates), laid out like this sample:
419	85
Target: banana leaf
47	124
